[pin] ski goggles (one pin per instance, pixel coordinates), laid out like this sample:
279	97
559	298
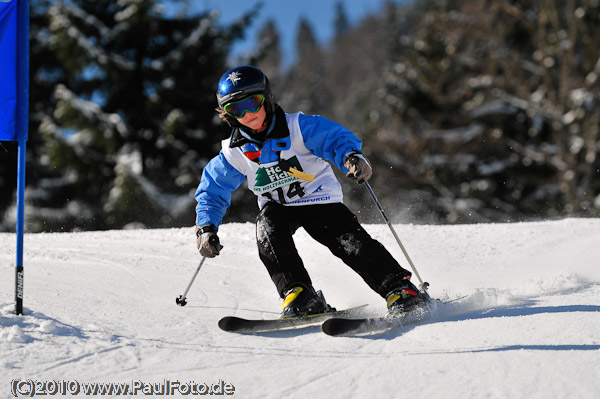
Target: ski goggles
251	104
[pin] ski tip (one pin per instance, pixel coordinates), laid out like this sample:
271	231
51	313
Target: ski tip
328	327
336	327
229	323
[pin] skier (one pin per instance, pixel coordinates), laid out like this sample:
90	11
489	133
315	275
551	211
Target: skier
283	157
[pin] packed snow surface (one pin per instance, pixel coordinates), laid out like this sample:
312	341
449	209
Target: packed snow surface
100	308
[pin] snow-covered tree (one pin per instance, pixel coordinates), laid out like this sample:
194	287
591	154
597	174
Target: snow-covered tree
134	122
45	72
492	110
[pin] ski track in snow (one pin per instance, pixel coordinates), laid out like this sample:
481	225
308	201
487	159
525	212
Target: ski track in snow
100	307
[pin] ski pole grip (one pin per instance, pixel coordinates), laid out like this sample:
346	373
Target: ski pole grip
214	240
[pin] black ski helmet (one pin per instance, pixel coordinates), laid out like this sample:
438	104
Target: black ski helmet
242	81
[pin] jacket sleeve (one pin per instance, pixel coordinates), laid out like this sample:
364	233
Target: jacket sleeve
219	180
327	139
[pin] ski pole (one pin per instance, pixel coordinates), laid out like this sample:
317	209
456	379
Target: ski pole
180	300
423	285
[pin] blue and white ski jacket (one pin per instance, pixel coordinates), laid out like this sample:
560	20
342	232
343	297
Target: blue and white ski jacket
306	142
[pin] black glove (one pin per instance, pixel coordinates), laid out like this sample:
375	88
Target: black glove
359	168
207	241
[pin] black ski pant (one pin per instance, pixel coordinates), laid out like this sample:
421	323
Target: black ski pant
334	226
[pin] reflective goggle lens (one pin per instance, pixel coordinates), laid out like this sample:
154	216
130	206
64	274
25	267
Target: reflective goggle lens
238	109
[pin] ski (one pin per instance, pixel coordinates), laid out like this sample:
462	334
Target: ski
368	325
241	325
337	326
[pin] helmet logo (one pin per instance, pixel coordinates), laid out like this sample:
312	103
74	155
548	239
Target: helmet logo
234	77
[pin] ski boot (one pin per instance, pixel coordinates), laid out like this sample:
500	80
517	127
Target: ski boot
302	300
404	299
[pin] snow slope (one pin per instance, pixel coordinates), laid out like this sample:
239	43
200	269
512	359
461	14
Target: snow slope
100	307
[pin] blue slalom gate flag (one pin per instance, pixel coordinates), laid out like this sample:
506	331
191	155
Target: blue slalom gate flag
8	70
14	107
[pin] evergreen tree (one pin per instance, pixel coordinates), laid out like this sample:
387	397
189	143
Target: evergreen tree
470	111
268	55
497	110
341	24
306	82
306	43
134	122
46	72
